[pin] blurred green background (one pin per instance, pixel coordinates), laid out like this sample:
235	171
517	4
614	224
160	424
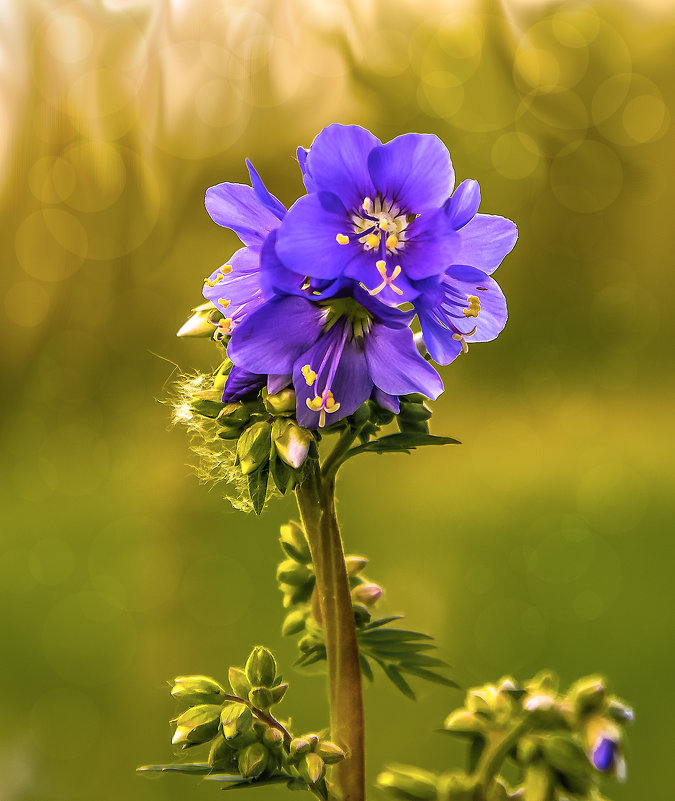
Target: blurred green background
544	540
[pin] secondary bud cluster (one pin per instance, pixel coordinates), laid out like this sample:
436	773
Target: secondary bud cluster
296	578
561	744
267	441
240	734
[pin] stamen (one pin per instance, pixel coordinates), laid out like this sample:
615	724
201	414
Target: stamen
383	225
342	239
212	282
473	308
367	204
223	328
224	302
372	241
460	338
309	374
226	269
392	241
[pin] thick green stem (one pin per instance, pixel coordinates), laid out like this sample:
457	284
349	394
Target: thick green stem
316	501
494	755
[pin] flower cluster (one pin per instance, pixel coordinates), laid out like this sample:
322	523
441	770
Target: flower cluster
322	295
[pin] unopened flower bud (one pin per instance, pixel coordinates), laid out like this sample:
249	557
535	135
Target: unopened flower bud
330	752
566	756
409	783
361	614
587	694
291	441
312	768
241	686
234	415
294	573
294	542
367	594
620	712
461	721
235	719
253	760
299	746
355	564
222	756
273	739
199	724
260	697
253	447
294	622
200	323
261	667
528	749
281	402
197	690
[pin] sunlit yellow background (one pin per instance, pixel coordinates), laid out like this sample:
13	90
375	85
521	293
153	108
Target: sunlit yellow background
544	540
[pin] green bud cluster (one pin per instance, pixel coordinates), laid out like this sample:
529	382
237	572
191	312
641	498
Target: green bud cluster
296	579
267	440
559	743
241	736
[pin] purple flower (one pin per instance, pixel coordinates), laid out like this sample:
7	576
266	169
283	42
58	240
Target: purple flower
464	302
338	351
382	216
252	212
604	754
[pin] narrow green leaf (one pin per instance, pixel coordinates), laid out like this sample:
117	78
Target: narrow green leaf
375	624
429	675
366	668
394	675
178	767
424	660
384	635
403	442
206	408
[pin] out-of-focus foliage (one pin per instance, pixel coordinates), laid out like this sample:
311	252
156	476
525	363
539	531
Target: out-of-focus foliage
541	540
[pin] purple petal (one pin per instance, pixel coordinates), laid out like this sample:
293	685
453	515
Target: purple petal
485	241
604	754
271	338
275	279
386	401
306	240
240	383
431	246
413	170
464	203
238	207
442	348
351	384
264	195
395	364
363	269
338	163
275	383
493	314
302	154
237	291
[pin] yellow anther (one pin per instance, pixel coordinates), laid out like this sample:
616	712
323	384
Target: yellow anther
381	267
224	302
331	403
226	269
367	204
383	225
212	282
342	239
309	374
473	308
314	403
372	241
392	241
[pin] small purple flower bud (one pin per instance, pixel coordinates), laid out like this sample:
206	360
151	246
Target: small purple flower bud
367	594
604	754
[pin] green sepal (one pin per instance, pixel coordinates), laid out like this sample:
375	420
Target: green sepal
206	408
257	487
196	725
261	667
566	756
294	623
253	447
197	690
253	760
222	756
241	686
312	768
284	477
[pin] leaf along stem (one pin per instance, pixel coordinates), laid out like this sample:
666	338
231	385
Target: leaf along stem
316	502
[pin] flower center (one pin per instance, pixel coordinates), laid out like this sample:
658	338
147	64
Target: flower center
380	226
343	319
